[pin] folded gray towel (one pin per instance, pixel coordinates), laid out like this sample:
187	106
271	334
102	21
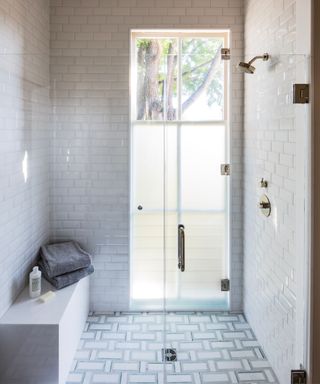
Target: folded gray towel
68	278
60	258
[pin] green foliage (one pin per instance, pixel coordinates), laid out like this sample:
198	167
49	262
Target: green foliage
196	59
197	56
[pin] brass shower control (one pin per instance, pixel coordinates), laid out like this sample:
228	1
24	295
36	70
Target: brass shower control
265	205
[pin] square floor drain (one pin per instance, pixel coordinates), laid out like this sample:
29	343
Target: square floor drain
169	354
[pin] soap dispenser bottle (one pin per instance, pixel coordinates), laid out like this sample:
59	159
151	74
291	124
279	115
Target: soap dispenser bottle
35	282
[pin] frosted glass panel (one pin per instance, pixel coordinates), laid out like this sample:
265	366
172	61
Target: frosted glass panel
205	256
148	166
147	264
177	180
147	274
202	153
148	223
171	167
171	255
205	259
201	208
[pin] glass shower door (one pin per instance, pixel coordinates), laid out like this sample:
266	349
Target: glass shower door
196	217
188	191
179	136
179	197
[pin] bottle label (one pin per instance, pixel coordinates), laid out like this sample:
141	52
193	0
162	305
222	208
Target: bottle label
35	284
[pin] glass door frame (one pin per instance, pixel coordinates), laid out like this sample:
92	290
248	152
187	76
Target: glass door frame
179	33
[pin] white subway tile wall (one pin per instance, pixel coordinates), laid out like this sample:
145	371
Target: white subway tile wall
89	158
24	140
270	285
90	154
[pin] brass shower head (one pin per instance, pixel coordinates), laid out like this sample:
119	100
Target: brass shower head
248	67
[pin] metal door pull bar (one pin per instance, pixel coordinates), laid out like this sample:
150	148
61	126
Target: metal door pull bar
181	248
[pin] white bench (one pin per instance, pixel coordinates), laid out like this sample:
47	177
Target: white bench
38	340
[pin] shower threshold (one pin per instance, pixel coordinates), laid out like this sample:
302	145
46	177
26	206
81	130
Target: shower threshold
177	305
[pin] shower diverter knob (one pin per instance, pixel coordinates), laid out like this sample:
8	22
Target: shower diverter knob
265	205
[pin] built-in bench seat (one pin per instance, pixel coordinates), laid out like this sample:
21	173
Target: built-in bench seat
38	340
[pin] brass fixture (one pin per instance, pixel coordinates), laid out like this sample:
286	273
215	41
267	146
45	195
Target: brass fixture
225	169
263	183
301	93
225	285
225	53
265	205
248	67
181	248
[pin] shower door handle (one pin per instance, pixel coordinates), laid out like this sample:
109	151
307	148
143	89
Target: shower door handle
181	248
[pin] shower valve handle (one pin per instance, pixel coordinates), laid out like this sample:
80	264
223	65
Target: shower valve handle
264	205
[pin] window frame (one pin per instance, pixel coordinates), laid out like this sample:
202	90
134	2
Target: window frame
178	34
225	121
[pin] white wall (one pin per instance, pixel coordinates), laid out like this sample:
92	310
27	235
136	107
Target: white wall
90	158
274	143
24	128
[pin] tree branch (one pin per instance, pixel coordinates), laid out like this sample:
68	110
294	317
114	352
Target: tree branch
190	71
195	68
141	85
205	83
153	55
171	64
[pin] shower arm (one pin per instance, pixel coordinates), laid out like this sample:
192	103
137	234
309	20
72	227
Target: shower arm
264	57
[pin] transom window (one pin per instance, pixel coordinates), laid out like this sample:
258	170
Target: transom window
179	76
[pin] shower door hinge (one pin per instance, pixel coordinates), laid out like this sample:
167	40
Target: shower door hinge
225	169
225	285
225	53
299	376
300	93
